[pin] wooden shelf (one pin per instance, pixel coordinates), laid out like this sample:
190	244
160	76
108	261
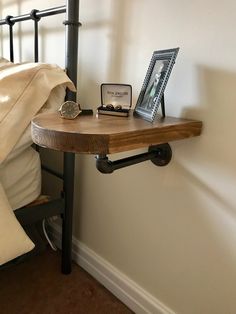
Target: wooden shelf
101	135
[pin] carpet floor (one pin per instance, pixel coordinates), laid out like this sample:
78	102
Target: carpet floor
36	286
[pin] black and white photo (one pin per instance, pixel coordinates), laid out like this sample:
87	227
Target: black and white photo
159	70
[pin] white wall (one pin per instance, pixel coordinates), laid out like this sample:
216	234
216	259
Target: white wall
172	230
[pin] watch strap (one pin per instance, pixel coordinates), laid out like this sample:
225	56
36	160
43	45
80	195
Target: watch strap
86	112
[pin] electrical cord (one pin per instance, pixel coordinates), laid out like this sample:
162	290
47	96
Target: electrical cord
54	248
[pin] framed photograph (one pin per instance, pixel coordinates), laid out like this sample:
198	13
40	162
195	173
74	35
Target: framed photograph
154	84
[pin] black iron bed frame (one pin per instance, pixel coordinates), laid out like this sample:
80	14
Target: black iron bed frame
64	205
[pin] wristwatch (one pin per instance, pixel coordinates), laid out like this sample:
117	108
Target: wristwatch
69	110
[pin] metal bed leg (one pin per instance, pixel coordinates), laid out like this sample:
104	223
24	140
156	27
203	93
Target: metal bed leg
72	26
69	161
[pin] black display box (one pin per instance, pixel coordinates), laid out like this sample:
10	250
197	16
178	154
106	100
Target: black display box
116	99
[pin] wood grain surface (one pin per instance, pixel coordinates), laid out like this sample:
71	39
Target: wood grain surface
108	134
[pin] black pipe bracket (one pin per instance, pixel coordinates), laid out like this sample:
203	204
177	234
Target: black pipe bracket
160	155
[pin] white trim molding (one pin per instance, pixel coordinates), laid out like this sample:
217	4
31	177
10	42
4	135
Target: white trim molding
126	290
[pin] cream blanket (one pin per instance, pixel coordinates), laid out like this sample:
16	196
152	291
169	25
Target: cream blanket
24	89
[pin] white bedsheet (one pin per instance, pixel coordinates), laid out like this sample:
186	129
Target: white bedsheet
21	172
33	84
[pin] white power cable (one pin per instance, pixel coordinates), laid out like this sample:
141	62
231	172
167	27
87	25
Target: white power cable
54	248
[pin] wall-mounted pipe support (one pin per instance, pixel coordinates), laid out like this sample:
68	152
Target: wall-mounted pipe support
160	155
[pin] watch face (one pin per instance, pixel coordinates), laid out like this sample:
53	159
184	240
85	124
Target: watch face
69	110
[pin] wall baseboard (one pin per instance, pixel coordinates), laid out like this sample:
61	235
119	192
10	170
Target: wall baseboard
126	290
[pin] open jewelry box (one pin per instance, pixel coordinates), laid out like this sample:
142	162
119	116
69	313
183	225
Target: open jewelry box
116	99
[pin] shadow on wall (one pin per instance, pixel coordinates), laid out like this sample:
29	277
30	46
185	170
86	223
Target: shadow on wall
198	224
4	35
116	27
211	164
201	226
218	111
109	38
23	35
118	38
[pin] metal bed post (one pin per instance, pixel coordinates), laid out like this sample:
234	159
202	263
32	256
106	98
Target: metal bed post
72	25
10	23
36	19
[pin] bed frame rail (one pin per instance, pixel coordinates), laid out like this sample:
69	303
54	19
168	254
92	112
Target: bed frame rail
32	214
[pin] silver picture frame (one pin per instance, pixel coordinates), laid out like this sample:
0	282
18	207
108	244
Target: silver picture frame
154	84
